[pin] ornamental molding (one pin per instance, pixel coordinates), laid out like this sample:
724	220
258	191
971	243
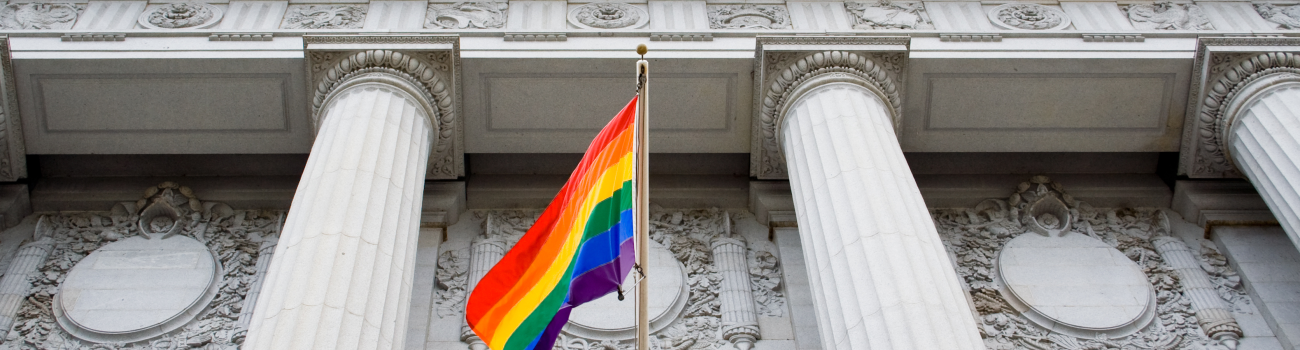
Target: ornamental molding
436	73
467	15
785	75
13	152
53	16
180	15
1027	16
1223	77
1167	15
609	15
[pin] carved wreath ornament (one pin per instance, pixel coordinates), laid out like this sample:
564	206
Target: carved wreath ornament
181	15
838	66
1029	17
1213	120
608	15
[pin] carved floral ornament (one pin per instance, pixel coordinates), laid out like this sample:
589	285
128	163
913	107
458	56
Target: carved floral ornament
429	74
230	253
1181	311
1026	16
181	15
875	71
1239	78
608	15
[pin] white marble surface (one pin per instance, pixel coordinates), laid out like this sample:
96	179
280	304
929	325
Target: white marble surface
1264	142
1075	280
137	283
880	276
341	274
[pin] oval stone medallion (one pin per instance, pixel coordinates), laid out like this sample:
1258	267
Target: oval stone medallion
610	318
136	288
1075	284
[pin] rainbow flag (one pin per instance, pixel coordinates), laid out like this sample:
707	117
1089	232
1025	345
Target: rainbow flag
579	249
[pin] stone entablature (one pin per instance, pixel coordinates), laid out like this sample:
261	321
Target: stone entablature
655	17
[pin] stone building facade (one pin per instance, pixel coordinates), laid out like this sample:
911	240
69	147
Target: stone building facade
340	174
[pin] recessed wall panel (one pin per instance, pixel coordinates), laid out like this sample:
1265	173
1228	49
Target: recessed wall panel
162	102
1048	101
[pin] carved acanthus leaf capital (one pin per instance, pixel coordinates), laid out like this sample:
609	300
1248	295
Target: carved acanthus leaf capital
1223	78
784	74
435	73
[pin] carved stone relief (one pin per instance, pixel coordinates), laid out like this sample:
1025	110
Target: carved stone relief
977	237
785	72
609	15
1025	16
887	14
749	16
181	15
167	213
435	70
324	17
692	238
1286	17
1167	15
1225	76
40	15
467	15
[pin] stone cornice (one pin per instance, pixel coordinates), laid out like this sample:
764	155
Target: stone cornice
13	155
435	71
788	66
1223	69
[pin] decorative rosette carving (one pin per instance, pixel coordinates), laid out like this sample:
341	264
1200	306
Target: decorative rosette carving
1028	17
39	16
325	17
608	15
888	15
1286	17
1168	16
467	15
181	15
749	16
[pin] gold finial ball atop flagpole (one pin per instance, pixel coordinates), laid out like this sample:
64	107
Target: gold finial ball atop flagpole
641	49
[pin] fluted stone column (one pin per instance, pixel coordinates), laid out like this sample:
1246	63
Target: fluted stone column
15	285
340	277
739	319
880	276
1211	312
1264	142
484	252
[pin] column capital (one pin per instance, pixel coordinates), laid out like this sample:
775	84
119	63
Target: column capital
425	66
788	67
1229	73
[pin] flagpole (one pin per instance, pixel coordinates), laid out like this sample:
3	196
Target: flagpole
643	201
